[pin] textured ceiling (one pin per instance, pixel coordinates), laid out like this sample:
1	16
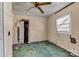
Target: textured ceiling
20	8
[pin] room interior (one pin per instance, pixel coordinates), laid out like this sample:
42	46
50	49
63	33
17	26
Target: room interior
46	34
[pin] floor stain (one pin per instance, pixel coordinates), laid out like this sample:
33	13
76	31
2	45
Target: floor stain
40	49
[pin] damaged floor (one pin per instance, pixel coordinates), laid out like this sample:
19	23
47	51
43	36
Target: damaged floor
40	49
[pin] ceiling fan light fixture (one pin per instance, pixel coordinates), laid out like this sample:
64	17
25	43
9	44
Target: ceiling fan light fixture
38	4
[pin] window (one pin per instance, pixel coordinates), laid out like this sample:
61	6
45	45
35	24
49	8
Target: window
64	25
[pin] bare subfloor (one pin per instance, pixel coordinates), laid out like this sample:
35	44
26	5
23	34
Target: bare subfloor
40	49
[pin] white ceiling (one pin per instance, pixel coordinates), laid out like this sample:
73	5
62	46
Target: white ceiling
20	8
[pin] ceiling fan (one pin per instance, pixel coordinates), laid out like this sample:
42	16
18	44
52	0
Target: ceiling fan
38	4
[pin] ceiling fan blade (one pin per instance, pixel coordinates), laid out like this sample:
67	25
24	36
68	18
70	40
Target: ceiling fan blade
40	10
29	8
40	4
33	3
45	3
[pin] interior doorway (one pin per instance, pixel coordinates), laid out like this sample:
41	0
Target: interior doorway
26	28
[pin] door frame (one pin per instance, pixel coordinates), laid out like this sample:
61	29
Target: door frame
26	20
2	28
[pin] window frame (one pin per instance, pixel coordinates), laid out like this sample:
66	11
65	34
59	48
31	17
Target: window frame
70	23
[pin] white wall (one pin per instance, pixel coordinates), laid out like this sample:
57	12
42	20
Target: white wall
62	40
8	26
37	28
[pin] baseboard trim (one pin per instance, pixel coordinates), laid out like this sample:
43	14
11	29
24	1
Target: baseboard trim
38	41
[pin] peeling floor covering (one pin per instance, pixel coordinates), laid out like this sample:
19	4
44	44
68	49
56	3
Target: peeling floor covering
40	49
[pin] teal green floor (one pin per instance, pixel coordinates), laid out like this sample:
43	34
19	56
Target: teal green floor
40	49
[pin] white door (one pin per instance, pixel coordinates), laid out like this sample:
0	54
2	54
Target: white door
1	30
